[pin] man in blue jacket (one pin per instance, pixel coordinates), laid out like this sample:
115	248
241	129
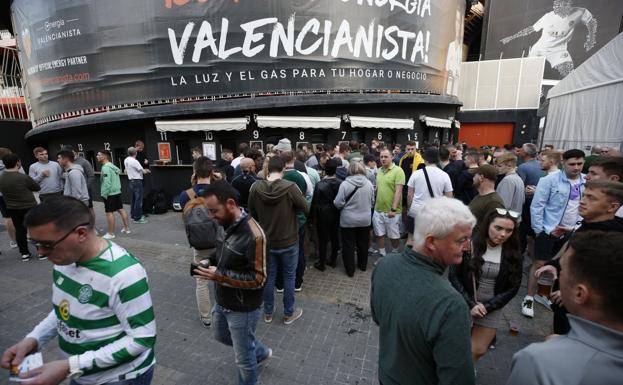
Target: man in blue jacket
554	212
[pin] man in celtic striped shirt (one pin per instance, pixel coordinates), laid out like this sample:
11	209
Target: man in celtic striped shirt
102	312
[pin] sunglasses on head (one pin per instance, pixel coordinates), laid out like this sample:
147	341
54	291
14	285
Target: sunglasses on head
510	213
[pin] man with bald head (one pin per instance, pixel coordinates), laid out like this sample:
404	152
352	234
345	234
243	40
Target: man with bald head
242	183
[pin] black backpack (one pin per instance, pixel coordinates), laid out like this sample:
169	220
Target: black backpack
149	201
161	205
201	230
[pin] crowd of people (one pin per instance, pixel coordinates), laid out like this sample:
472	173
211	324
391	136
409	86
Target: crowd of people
449	228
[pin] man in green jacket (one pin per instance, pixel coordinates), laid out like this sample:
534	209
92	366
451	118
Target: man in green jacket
424	323
110	189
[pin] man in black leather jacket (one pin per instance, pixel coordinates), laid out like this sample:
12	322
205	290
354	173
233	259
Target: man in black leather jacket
239	273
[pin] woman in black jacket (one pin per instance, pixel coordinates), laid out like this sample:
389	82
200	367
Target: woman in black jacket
494	271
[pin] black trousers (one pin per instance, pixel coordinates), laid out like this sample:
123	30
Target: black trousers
328	231
355	238
17	216
525	227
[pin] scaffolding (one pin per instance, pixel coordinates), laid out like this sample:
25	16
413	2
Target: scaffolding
12	100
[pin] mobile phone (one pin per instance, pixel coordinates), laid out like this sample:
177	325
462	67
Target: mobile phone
193	266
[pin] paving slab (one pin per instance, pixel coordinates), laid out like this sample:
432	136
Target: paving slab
335	342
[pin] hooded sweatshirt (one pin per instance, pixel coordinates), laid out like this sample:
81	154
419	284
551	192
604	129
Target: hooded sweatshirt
357	212
274	204
109	180
76	184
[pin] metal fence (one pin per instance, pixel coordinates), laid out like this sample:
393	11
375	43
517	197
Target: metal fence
12	101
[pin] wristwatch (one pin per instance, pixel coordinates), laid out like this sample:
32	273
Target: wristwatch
74	368
392	210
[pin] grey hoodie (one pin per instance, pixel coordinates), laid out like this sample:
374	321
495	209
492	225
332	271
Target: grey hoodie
357	212
274	204
76	184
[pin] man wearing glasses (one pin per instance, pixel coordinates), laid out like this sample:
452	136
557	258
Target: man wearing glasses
102	310
424	328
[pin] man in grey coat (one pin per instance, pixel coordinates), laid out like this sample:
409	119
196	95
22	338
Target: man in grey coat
591	287
75	181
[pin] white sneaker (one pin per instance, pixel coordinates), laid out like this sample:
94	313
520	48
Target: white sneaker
108	236
126	231
543	301
13	244
527	307
263	360
372	250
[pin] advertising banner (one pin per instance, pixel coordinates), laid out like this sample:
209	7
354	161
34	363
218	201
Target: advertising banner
84	54
566	32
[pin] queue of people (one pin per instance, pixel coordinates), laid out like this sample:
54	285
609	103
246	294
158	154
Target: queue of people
469	217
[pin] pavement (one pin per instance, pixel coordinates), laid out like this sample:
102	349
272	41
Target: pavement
335	341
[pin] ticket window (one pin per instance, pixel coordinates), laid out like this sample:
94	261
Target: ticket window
90	157
118	155
182	152
229	144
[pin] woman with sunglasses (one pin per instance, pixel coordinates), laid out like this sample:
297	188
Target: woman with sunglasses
490	277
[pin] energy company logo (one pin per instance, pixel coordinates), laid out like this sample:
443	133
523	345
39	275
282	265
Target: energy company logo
64	310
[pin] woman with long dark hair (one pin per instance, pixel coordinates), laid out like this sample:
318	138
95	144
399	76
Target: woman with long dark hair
490	277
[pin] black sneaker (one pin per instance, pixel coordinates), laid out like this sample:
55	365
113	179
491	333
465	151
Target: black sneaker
25	257
320	266
42	257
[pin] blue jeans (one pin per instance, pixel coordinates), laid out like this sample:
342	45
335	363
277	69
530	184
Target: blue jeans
237	329
288	259
136	185
143	379
300	267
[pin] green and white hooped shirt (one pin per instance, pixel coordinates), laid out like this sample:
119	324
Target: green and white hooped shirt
103	314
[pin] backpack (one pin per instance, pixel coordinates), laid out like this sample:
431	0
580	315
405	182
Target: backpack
149	201
161	205
202	231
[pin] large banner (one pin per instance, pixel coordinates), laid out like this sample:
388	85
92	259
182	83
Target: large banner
83	54
566	32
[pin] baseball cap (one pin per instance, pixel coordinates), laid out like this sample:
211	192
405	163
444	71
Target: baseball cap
284	145
488	171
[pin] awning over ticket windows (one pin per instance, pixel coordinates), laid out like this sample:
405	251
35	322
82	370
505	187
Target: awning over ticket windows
264	121
379	122
436	122
225	124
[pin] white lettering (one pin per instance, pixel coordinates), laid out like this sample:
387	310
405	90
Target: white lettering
250	37
178	49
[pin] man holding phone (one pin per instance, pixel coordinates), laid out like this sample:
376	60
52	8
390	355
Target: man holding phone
239	273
